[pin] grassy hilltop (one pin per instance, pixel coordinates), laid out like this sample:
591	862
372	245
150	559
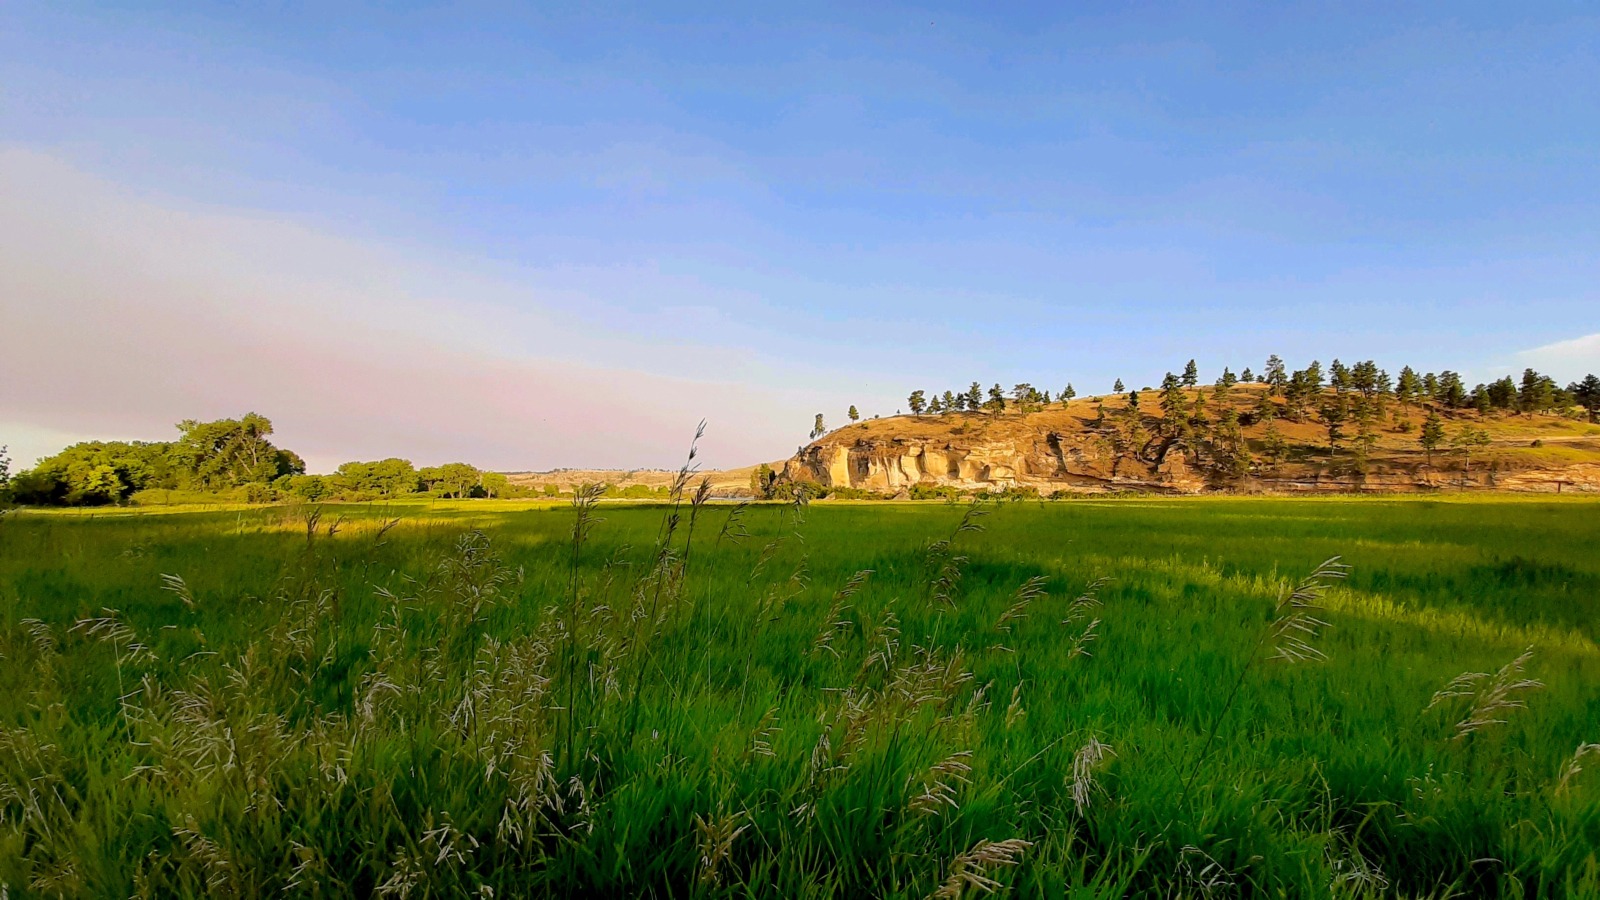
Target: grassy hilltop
1097	698
1242	439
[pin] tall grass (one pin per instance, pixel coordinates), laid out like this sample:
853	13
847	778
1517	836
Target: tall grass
494	700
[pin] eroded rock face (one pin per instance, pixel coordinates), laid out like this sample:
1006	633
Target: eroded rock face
1049	462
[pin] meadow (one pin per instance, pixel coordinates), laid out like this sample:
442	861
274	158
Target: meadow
1096	698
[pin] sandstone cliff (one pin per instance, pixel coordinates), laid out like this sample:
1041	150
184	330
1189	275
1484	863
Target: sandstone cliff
1077	448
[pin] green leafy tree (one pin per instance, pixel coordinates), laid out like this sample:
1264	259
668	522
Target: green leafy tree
495	484
306	487
231	452
94	473
856	416
452	480
917	402
763	482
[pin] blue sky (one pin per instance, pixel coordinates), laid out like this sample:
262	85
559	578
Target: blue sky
576	230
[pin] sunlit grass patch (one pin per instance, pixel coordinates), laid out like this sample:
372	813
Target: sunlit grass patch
1118	698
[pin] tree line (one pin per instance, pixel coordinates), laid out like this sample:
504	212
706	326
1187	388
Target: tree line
227	459
1534	393
1349	401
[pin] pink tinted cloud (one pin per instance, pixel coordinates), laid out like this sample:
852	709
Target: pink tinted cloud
124	314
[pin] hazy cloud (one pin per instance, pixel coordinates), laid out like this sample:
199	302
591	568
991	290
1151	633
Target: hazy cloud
1565	361
125	313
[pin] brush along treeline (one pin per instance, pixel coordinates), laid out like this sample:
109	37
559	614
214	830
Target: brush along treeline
1141	698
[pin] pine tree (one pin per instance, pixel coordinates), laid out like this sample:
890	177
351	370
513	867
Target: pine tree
1174	407
1536	392
1118	387
1586	393
1466	440
1314	377
935	406
997	400
1246	376
1191	374
974	397
818	429
1334	415
854	416
1133	400
1266	410
950	402
1067	393
1273	443
1432	434
1409	388
917	402
1023	394
1451	391
1276	376
1339	377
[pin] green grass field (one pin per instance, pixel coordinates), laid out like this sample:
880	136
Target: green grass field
469	702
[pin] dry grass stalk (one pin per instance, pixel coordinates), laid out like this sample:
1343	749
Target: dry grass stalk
1200	875
971	869
939	784
766	730
175	586
1574	766
1015	713
1086	763
1031	590
715	839
835	620
1493	696
1081	609
1295	623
